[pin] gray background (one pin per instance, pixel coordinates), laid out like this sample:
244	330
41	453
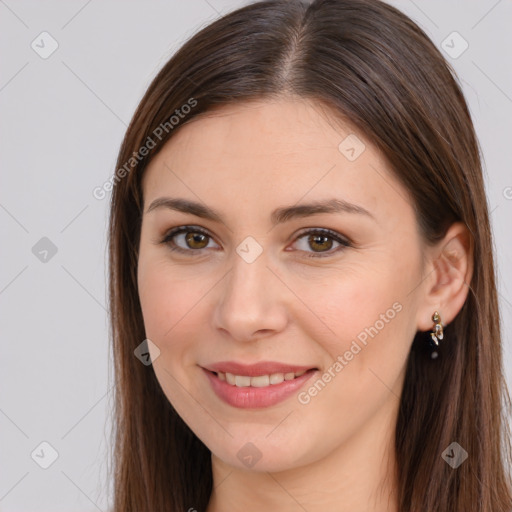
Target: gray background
62	120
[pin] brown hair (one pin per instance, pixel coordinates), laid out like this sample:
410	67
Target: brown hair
367	62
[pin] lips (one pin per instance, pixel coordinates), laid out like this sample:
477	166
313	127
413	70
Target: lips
258	385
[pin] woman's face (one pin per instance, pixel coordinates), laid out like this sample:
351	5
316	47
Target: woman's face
259	284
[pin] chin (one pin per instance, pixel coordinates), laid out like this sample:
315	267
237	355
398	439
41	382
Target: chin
260	454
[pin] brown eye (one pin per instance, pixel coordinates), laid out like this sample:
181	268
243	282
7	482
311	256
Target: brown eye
321	241
191	240
187	239
196	240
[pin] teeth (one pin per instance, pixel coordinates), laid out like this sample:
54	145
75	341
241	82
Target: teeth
260	381
276	378
242	381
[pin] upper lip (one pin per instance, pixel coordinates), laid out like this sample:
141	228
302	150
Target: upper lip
253	370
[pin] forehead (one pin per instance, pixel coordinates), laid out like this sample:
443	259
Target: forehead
270	152
263	128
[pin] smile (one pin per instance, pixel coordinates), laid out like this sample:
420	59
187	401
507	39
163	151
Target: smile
256	391
260	381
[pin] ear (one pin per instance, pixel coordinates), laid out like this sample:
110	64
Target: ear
449	268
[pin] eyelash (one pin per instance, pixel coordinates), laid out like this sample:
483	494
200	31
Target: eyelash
317	231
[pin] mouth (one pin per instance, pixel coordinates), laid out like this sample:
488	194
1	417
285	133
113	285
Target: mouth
258	390
259	381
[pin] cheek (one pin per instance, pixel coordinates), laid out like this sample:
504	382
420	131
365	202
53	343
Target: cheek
166	298
362	321
345	308
168	304
365	349
165	293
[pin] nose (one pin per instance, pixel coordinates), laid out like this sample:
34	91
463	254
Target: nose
252	301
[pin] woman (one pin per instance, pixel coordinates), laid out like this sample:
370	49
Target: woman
299	244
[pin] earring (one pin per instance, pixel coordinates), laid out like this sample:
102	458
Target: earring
437	332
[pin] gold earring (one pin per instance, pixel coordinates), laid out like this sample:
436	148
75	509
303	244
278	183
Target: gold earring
437	331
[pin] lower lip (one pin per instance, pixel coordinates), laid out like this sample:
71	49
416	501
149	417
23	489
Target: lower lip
250	397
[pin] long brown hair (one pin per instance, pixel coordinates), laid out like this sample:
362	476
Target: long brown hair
364	61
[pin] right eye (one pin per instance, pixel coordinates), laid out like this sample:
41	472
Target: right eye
193	239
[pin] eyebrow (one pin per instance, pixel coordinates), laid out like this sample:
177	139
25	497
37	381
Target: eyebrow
278	216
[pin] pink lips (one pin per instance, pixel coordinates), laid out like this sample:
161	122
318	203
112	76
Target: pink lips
256	397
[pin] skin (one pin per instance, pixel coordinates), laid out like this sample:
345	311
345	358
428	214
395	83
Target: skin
244	160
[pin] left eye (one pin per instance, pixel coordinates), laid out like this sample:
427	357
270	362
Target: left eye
323	239
196	239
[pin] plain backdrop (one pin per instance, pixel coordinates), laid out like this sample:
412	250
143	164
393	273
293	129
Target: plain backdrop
62	120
